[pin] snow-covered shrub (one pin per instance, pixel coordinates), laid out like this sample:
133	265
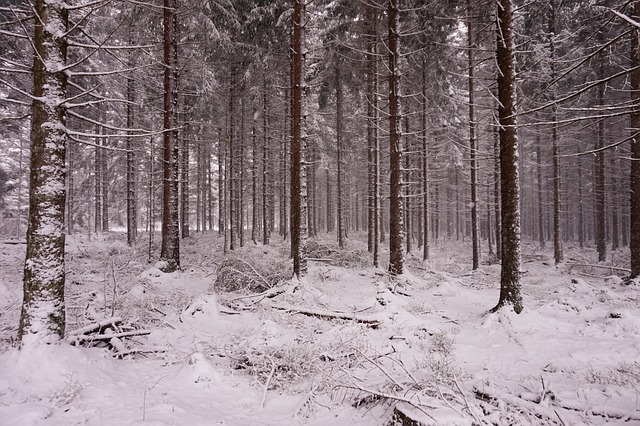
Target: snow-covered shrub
236	274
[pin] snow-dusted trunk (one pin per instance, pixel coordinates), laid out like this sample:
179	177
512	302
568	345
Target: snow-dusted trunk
396	233
43	316
541	236
615	204
634	217
425	166
170	252
298	145
473	162
509	162
254	177
558	251
266	164
340	149
600	191
372	137
496	193
132	211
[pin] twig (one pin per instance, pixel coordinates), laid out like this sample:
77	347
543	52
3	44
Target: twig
266	384
379	367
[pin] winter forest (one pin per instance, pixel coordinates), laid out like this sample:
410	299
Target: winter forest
349	212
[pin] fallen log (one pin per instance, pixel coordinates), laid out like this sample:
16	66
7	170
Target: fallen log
371	321
91	337
96	326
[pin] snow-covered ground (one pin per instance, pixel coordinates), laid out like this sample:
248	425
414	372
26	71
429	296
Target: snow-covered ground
345	346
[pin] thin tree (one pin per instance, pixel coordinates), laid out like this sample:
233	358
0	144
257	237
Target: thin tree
634	217
298	139
43	315
475	237
509	163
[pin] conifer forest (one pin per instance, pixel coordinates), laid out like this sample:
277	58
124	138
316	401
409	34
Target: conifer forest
319	212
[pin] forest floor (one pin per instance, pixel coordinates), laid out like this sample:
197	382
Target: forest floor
232	340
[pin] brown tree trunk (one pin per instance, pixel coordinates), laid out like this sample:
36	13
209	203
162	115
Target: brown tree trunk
298	145
170	252
42	319
509	163
634	201
340	177
396	233
475	238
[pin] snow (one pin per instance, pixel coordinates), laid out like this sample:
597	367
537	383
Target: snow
571	357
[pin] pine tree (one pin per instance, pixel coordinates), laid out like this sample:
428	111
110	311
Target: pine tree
43	314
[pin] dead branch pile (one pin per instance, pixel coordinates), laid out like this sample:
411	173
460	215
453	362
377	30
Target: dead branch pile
236	274
335	256
109	333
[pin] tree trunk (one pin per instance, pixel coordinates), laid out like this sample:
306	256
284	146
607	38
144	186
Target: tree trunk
600	192
496	193
634	201
266	164
540	194
396	234
170	252
372	136
425	166
42	319
509	163
475	238
340	177
557	180
298	145
132	209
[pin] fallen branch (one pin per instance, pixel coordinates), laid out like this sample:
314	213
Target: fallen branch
331	315
584	265
91	337
96	326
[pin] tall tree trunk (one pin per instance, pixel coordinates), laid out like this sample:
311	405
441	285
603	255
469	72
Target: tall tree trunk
170	252
425	166
298	145
98	182
254	177
132	209
540	194
42	319
615	210
340	177
232	176
509	163
634	201
557	179
396	234
184	185
600	192
496	193
266	164
408	232
475	238
372	136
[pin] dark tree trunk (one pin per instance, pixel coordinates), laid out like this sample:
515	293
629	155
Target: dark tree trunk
43	315
132	209
475	238
266	164
600	192
496	193
372	136
340	177
634	201
558	253
396	233
298	145
509	163
541	238
425	166
170	252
